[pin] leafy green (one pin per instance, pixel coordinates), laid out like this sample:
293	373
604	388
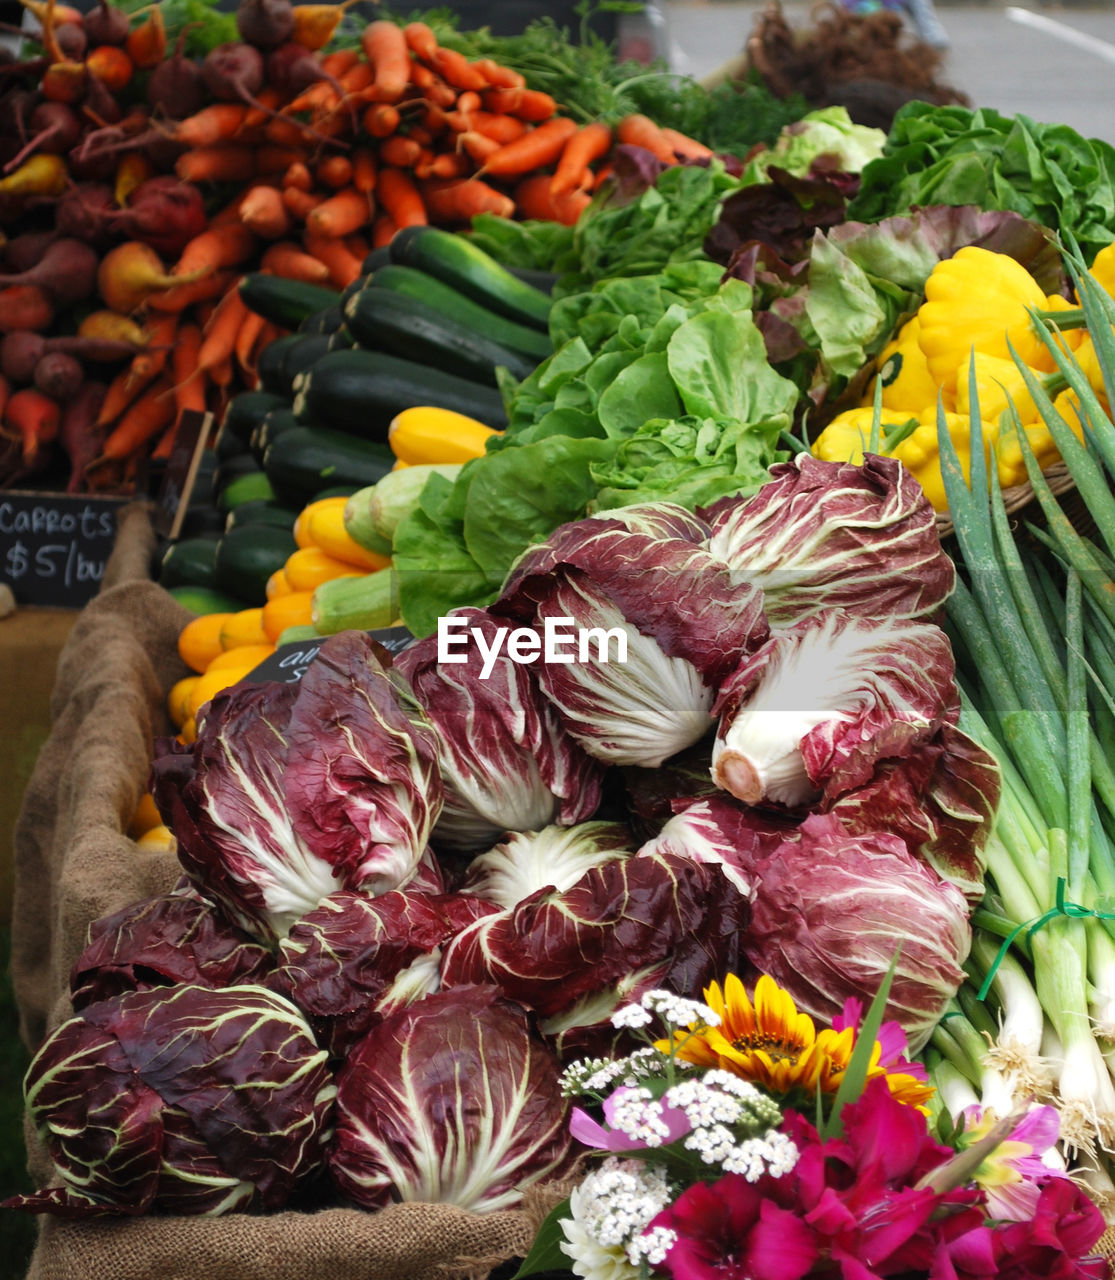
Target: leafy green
208	25
829	131
955	156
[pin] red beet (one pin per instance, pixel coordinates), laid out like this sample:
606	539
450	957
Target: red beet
79	434
72	39
233	72
164	213
56	129
175	88
23	251
81	209
265	23
292	67
59	376
106	25
67	272
20	352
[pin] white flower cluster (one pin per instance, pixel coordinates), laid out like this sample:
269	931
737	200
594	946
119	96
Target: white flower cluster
717	1106
653	1245
674	1010
610	1209
720	1097
597	1075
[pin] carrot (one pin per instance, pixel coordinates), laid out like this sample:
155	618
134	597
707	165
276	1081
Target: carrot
341	214
357	244
638	130
589	143
285	133
500	128
450	164
541	147
534	198
275	160
420	40
364	170
383	229
400	198
189	392
262	211
122	390
460	201
685	147
182	296
229	245
319	96
602	175
340	60
455	69
284	258
381	120
218	339
216	164
344	267
476	146
300	203
499	76
111	66
334	172
146	417
385	47
468	102
269	101
5	393
432	86
527	104
401	151
161	337
213	124
37	419
146	44
418	133
298	175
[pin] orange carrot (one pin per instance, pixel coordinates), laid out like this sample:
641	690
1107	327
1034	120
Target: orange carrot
340	60
400	198
527	104
535	199
146	44
685	147
319	96
216	164
400	150
284	258
334	172
638	130
420	39
418	133
455	69
229	245
344	267
182	296
382	231
213	124
476	146
460	201
122	390
263	213
270	100
161	336
149	415
285	133
189	392
381	120
298	175
36	418
276	160
450	164
340	214
498	76
364	170
589	143
385	47
357	244
300	203
111	66
539	148
500	128
602	175
468	102
218	342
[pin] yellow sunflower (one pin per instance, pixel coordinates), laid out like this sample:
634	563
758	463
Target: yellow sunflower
772	1044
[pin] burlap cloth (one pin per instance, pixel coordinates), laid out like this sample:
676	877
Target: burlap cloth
73	863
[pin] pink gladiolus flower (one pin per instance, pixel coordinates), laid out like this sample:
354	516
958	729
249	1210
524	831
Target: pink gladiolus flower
669	1125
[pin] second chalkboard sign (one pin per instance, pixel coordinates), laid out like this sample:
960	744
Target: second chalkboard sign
290	662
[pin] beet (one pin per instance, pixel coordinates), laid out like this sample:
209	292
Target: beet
100	102
80	437
67	272
72	40
292	67
20	352
164	213
23	251
59	376
81	209
265	23
56	129
233	72
175	88
107	25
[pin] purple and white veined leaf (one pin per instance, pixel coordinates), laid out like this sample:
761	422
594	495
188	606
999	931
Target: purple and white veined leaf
819	707
293	791
555	857
353	959
184	1099
822	535
829	911
452	1100
162	941
507	764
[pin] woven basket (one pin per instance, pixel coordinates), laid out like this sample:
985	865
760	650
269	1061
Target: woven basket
1021	495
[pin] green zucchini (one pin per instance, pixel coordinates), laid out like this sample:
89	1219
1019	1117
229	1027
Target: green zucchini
303	462
272	426
457	306
342	340
361	391
327	320
384	321
261	511
459	262
253	486
269	366
301	356
245	412
207	600
377	258
284	302
542	280
298	634
248	555
189	562
364	603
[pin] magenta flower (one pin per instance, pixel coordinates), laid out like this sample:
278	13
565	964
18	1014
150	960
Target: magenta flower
634	1122
1013	1174
891	1040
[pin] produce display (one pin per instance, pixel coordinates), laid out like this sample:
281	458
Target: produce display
691	821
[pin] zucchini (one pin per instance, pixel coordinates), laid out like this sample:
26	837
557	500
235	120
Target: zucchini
240	464
384	321
297	634
248	555
366	603
272	426
358	521
327	320
302	463
189	562
261	511
342	340
202	519
455	305
362	391
284	302
250	487
206	599
544	280
302	355
245	412
269	366
461	263
377	258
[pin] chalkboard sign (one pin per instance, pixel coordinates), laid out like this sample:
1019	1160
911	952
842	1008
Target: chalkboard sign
180	476
54	546
289	663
